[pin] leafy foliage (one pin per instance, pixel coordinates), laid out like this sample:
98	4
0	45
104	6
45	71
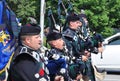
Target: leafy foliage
103	15
23	8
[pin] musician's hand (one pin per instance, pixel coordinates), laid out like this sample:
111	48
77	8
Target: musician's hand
78	77
84	58
59	78
87	53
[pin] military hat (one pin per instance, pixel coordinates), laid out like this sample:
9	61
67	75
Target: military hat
54	36
72	18
30	30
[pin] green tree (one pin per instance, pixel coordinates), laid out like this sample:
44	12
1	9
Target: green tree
23	8
114	13
98	15
103	15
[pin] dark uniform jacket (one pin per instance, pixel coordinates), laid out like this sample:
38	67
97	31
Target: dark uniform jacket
57	63
71	36
27	66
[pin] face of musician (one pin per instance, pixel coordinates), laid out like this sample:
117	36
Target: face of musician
30	37
59	43
33	42
75	24
55	40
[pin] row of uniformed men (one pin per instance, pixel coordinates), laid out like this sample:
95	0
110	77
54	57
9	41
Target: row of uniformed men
65	60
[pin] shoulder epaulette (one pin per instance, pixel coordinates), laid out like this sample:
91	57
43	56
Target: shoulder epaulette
68	33
34	54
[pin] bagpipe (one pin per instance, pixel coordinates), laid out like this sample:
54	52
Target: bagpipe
57	21
91	43
91	40
8	34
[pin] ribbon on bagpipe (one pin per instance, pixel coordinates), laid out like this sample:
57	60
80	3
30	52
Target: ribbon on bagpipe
70	10
62	12
51	19
7	37
63	17
67	10
60	3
